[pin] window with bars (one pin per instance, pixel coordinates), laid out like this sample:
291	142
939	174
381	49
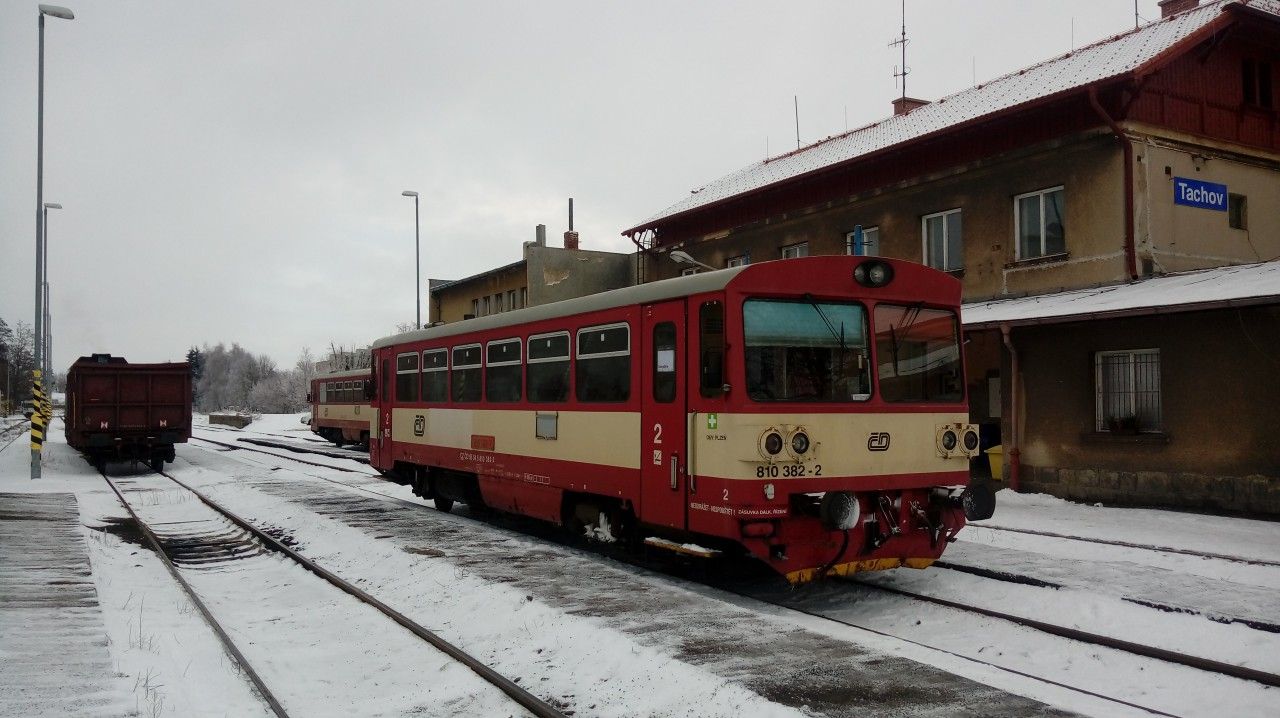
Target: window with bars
1128	391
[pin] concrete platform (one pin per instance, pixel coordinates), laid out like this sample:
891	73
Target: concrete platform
54	659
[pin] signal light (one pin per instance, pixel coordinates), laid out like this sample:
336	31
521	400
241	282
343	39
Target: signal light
773	443
971	441
874	273
799	442
949	440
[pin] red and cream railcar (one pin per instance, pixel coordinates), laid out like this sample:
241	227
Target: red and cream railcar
340	412
810	411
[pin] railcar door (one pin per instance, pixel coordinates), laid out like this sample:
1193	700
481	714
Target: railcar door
663	483
380	440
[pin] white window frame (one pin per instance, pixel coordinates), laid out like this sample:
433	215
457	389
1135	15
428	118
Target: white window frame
870	247
524	297
689	271
741	260
924	240
1044	236
423	361
475	307
795	251
485	304
1100	419
519	352
511	299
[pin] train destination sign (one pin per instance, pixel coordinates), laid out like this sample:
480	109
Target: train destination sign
1194	193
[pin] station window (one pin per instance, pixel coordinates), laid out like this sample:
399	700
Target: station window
1256	80
1127	384
524	296
497	303
475	307
466	373
866	245
1237	211
485	305
741	260
1039	221
942	237
689	271
795	251
406	377
604	364
502	371
511	299
548	367
435	375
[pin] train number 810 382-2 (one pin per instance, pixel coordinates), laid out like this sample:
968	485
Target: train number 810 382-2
769	471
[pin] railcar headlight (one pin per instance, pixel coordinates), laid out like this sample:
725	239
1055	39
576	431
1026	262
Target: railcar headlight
773	443
874	273
949	440
799	442
971	441
839	510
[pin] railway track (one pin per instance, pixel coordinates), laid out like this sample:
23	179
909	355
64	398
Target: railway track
1127	544
10	433
1138	649
220	536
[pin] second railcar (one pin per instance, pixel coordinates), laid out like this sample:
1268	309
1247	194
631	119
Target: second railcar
339	410
811	412
121	411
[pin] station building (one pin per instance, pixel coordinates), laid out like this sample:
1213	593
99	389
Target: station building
544	274
1114	216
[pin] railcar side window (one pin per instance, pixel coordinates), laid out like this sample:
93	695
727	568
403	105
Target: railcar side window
548	367
324	392
711	348
604	364
435	375
407	377
348	391
502	371
918	354
466	374
809	351
664	362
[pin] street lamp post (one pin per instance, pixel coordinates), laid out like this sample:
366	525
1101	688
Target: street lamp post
48	310
684	258
417	261
65	14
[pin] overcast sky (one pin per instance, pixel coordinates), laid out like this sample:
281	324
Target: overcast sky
231	171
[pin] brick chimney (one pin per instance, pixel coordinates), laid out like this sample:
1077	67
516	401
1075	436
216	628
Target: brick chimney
1173	7
903	105
571	237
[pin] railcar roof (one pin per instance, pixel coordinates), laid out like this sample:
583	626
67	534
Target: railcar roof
343	374
639	294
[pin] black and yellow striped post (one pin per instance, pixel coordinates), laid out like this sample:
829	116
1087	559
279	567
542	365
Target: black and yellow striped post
39	421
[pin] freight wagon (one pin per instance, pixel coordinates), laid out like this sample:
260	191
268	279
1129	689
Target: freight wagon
122	411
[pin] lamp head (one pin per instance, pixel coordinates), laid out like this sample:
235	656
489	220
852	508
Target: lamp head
52	205
409	193
55	11
681	257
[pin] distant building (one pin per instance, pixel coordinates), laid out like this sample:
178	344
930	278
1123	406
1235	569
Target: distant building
1148	154
544	274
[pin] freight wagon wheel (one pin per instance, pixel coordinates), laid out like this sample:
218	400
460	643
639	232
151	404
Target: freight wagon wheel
444	504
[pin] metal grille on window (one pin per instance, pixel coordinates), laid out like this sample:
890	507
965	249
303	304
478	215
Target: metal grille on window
1128	385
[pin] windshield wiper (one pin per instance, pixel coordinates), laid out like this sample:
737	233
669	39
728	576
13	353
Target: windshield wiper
839	336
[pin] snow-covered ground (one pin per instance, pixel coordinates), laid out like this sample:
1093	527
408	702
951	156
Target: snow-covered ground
610	639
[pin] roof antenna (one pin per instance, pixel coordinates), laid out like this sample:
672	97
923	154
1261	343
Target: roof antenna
796	100
903	42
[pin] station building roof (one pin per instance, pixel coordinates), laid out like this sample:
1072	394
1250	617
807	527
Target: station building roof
1221	287
1132	53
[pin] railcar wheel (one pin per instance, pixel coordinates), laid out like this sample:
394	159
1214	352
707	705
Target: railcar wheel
444	504
979	501
157	464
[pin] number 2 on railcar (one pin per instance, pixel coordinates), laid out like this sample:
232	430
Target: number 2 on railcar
810	412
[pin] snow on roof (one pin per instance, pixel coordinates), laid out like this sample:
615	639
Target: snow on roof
1186	291
1103	60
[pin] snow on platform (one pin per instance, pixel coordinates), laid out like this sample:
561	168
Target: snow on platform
53	643
1240	285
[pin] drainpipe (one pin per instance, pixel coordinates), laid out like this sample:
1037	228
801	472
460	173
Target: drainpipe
1130	253
1014	454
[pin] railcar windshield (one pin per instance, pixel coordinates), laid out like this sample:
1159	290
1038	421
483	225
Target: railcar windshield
802	350
918	354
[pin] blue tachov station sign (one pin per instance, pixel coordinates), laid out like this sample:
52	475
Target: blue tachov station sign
1194	193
